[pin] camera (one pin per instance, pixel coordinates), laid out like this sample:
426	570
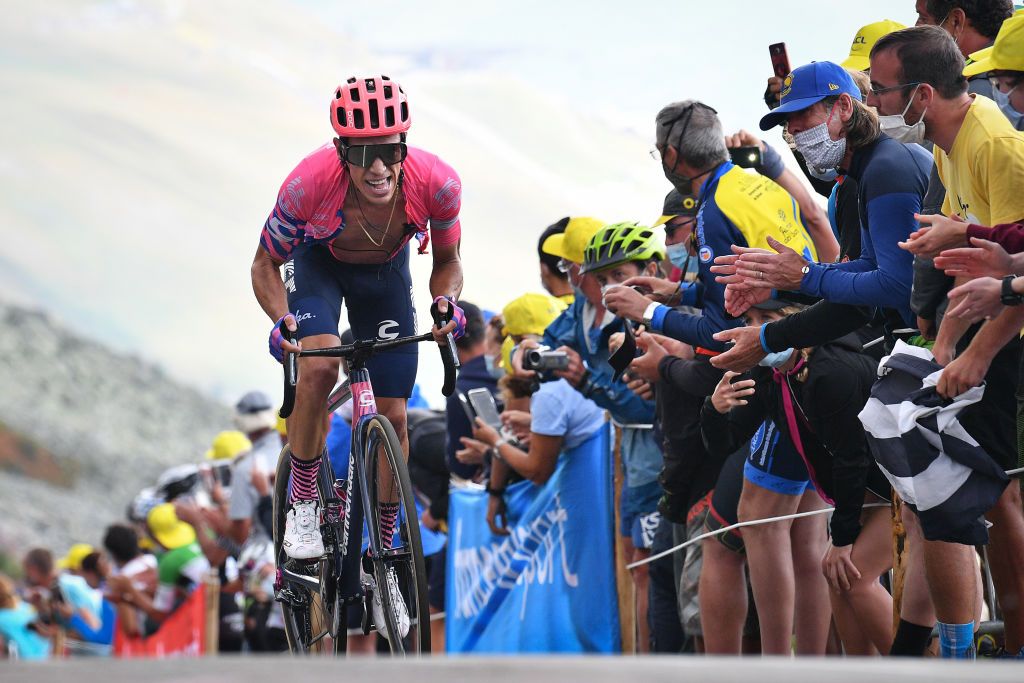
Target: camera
544	359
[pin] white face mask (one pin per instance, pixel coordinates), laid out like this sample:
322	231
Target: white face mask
819	150
1003	100
896	126
776	359
607	288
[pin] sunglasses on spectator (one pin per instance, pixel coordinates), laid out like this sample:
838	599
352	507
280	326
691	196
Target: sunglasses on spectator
881	91
363	156
670	229
686	114
1003	83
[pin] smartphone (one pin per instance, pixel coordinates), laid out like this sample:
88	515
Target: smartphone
485	407
746	157
466	408
780	59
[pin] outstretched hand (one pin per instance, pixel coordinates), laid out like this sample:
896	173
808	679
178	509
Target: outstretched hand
746	351
983	259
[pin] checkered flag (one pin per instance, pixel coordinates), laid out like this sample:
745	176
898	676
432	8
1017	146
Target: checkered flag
936	467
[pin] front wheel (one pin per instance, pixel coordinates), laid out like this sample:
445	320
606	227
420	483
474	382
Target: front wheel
388	482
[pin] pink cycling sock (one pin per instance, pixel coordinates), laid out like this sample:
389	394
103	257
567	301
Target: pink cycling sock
303	482
388	518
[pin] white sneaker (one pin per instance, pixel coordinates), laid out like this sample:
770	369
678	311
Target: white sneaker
302	540
401	612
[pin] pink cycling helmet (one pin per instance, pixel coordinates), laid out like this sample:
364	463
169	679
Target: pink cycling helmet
367	107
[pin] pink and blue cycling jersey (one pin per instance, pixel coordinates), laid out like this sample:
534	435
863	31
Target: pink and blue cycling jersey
309	205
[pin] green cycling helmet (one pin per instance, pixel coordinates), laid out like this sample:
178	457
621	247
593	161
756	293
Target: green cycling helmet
619	243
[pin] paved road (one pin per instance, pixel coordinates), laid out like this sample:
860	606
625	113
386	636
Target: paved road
533	670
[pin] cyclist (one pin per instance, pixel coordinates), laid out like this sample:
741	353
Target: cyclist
341	227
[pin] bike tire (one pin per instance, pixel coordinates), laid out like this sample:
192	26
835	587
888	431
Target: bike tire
379	435
302	624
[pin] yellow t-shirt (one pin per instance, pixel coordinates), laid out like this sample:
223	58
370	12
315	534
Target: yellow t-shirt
984	172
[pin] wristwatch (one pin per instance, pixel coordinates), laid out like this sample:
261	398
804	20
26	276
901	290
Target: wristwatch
1010	297
649	314
806	269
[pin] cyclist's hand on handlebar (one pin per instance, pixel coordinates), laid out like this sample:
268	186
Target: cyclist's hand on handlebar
278	344
456	325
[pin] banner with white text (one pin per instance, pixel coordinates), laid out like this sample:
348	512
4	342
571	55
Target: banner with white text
549	586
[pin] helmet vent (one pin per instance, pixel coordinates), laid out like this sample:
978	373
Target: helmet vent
341	115
374	113
357	119
371	85
354	94
405	111
387	91
389	116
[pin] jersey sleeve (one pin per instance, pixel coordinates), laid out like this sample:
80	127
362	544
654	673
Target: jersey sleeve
285	227
445	202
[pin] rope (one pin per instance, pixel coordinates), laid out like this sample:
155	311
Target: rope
752	522
766	520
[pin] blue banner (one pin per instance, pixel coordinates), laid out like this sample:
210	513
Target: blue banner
550	585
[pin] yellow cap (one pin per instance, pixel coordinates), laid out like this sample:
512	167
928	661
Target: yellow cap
506	354
77	553
1006	54
571	243
228	445
867	36
531	313
167	529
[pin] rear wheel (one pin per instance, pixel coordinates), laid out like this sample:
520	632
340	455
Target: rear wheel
307	620
388	481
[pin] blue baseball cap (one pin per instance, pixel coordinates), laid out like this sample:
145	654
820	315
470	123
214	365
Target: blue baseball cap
808	85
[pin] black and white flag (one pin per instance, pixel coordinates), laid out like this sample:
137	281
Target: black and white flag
935	466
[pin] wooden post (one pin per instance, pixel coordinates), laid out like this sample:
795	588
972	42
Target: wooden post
899	559
211	586
623	579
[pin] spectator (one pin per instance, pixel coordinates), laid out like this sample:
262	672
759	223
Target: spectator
131	567
59	598
20	626
973	24
181	568
814	396
982	181
473	374
834	131
552	278
254	457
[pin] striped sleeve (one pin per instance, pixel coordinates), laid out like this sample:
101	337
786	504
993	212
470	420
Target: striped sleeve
285	227
444	203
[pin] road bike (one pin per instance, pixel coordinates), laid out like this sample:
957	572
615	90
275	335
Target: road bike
316	594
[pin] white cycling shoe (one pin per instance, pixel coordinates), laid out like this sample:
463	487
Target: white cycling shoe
401	611
302	539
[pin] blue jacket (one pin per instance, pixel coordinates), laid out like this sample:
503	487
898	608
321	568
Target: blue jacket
592	345
892	179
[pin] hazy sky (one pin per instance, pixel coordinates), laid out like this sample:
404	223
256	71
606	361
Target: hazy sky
620	61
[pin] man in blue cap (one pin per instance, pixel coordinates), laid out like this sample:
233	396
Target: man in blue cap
833	129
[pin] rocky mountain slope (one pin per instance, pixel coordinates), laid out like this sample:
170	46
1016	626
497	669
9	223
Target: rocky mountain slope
82	429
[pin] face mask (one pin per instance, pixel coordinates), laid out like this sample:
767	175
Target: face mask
818	148
896	126
777	359
680	257
682	183
1003	100
605	289
491	363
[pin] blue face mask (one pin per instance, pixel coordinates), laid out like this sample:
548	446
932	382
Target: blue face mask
1003	100
681	258
491	363
777	359
828	175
